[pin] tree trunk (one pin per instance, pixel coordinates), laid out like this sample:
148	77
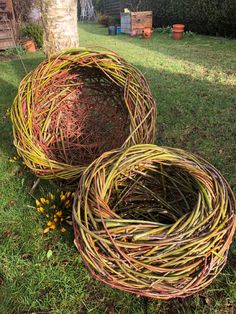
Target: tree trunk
59	19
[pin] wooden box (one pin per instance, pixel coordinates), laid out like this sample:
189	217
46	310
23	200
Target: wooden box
7	25
136	21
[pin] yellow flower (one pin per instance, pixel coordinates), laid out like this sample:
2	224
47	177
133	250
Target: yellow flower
62	219
59	213
40	209
53	206
68	194
55	219
37	203
51	196
46	230
62	197
44	201
67	204
51	225
63	229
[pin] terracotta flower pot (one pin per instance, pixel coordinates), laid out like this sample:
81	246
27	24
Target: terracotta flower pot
29	45
147	33
177	31
178	27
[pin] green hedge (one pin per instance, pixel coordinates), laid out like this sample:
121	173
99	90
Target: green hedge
211	17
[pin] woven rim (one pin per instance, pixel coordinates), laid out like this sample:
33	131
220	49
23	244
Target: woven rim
137	99
154	258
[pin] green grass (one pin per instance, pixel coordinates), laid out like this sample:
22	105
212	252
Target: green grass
193	81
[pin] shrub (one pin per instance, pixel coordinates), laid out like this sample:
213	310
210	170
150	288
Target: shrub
114	20
212	17
102	19
164	30
34	31
189	34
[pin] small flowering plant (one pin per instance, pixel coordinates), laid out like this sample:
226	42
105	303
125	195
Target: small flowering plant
57	209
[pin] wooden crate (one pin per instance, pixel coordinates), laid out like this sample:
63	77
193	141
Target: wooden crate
7	25
136	21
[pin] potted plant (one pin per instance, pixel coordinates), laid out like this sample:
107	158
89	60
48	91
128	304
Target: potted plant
32	36
28	44
178	31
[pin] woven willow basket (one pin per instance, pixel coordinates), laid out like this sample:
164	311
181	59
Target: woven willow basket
76	105
154	221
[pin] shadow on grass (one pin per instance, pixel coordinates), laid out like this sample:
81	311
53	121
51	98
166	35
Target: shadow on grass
9	86
8	93
30	61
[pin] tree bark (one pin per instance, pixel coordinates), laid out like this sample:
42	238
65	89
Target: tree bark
59	19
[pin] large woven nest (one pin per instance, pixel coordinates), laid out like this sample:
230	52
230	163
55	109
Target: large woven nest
154	221
76	105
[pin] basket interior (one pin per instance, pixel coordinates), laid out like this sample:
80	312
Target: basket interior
162	195
79	114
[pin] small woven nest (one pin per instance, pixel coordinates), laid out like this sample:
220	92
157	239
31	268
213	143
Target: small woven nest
154	221
76	105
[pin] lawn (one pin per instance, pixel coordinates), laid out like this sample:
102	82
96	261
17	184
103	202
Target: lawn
193	82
